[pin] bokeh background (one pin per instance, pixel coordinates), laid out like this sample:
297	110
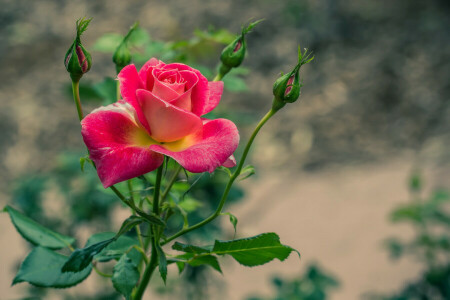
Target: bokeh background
370	133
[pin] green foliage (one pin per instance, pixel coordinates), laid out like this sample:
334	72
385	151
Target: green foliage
97	244
36	233
115	249
125	276
42	267
314	284
431	243
81	258
252	251
162	263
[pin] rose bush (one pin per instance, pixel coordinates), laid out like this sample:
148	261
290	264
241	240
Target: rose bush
159	114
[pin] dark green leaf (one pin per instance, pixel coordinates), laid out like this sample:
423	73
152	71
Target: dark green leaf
125	276
150	218
254	251
36	233
129	224
113	250
81	258
190	248
162	263
42	267
181	266
205	260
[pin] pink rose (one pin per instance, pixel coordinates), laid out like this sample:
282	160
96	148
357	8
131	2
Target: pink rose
160	114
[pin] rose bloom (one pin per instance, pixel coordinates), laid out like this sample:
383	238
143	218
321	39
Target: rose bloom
160	114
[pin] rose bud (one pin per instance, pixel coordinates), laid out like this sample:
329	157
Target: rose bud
122	56
286	88
78	60
233	54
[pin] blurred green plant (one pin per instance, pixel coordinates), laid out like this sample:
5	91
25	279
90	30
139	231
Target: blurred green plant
314	284
430	218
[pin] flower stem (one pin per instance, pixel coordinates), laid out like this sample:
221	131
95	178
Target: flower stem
218	77
148	272
171	182
229	184
76	98
154	239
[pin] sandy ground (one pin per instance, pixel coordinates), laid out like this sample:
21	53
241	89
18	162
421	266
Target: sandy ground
336	217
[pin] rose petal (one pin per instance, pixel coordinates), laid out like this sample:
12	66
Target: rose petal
129	82
184	101
215	93
168	123
219	140
118	144
145	73
230	162
200	91
162	90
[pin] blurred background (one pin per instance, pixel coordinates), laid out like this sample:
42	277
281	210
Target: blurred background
354	175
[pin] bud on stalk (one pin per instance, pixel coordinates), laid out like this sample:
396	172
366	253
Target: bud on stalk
286	88
233	55
78	60
122	55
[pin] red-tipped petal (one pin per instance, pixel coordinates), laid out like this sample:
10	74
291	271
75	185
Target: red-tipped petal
168	123
219	140
130	82
118	144
145	73
215	93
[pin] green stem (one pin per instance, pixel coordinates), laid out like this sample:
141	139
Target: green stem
218	77
171	182
118	94
76	98
229	184
154	239
149	269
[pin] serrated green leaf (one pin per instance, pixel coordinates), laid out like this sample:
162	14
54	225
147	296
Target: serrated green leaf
36	233
246	172
190	248
81	258
162	263
125	276
42	268
254	251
